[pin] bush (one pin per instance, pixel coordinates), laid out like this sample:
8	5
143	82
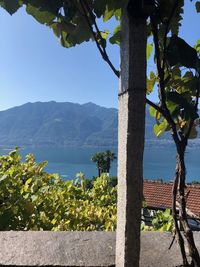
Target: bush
162	222
32	199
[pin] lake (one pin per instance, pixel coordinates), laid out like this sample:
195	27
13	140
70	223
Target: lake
159	162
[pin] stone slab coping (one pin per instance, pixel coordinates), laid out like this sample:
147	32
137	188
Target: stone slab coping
89	249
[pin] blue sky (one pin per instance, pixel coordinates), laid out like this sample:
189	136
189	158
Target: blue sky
34	66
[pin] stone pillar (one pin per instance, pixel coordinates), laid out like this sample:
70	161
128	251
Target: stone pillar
132	94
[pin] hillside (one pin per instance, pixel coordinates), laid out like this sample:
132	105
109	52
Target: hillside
58	124
67	124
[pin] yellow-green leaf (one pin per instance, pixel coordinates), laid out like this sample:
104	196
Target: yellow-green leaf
149	50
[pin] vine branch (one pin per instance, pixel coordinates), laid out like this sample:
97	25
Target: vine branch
160	69
97	35
158	108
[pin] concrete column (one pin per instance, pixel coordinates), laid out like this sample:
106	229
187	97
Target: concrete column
132	94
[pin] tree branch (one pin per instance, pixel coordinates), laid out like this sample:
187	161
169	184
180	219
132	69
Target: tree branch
86	9
159	109
174	214
160	69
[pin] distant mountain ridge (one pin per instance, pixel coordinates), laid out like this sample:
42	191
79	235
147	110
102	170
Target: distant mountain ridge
58	124
69	125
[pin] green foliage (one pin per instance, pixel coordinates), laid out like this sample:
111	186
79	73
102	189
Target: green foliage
197	46
160	127
152	79
32	199
177	77
180	90
115	39
40	13
28	204
67	18
179	52
182	101
108	8
89	183
10	5
149	50
103	161
163	221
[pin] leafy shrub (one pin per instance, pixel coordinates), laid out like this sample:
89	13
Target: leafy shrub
162	221
32	199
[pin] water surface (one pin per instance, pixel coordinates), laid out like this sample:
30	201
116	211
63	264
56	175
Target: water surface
159	162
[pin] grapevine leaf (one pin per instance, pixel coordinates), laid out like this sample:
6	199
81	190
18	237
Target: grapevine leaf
151	82
100	7
152	112
42	16
182	101
108	14
149	50
11	6
160	128
197	46
179	52
173	108
115	39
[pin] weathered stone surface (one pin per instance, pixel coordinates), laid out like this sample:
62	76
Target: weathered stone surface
90	249
155	252
132	101
57	248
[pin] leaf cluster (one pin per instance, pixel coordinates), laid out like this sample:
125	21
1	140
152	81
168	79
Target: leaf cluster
177	77
32	199
162	222
103	160
69	19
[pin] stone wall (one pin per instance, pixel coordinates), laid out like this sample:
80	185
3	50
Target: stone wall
90	249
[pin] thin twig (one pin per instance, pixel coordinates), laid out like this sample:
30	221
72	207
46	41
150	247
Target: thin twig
172	242
159	109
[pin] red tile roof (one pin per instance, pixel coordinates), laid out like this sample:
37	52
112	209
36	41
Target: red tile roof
159	195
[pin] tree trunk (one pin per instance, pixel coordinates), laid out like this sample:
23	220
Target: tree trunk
108	166
99	172
131	129
179	236
179	185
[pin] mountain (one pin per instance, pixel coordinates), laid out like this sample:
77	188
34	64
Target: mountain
58	124
68	124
